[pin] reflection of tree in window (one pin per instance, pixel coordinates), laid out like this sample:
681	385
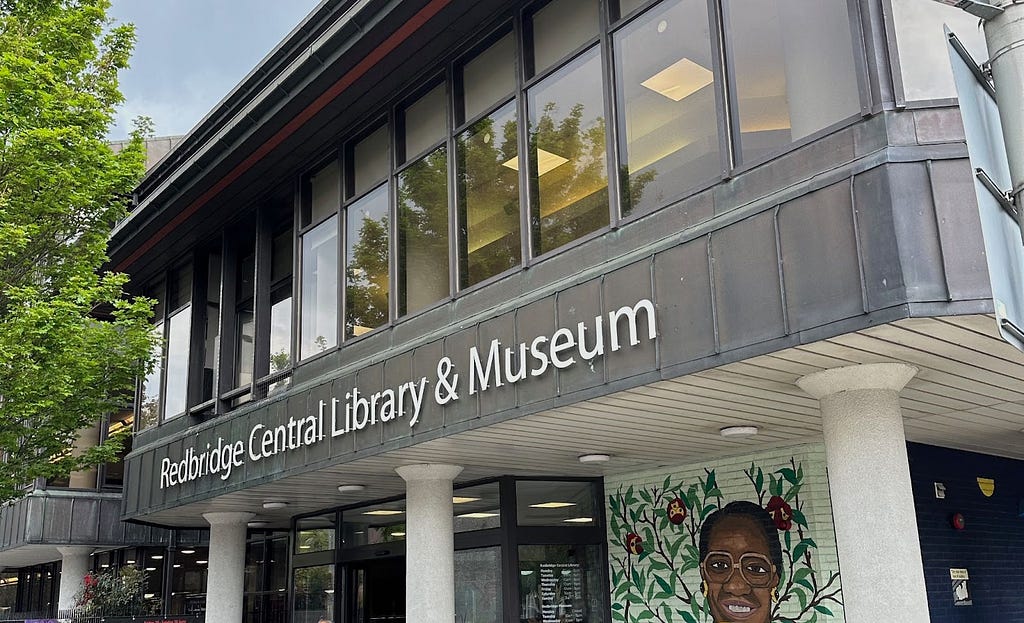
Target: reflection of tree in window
423	232
366	273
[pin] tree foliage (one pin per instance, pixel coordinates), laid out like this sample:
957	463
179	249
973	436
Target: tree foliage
61	190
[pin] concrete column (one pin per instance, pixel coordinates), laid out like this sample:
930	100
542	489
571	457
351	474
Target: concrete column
74	565
225	580
429	543
872	501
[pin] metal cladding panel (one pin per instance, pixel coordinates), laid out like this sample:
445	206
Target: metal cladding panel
311	401
914	222
533	319
963	251
85	520
33	520
820	268
424	364
343	444
370	381
397	371
880	253
12	522
111	530
745	265
57	520
502	328
579	304
623	288
456	348
682	286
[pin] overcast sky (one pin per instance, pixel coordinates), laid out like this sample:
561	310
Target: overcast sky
191	53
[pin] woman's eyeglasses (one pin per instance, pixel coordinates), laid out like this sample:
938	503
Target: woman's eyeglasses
754	568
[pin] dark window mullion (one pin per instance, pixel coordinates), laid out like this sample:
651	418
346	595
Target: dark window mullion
453	223
523	60
261	301
225	364
610	115
727	103
197	330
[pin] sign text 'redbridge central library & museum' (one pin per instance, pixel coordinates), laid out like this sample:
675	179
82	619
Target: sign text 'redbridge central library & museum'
495	366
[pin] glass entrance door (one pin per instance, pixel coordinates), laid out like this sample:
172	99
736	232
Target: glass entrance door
378	591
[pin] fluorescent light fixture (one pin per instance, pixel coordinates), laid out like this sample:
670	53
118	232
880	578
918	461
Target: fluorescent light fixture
157	556
463	500
594	458
306	546
546	162
478	515
351	488
679	80
397	534
984	10
552	505
329	591
258	524
271	505
738	431
201	562
580	520
176	566
147	568
129	562
188	551
148	595
384	513
526	572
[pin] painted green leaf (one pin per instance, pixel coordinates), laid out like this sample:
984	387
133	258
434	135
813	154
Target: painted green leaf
667	613
799	518
823	610
662	583
645	496
643	616
668	482
617	606
789	474
618	616
795	489
687	616
801	597
759	479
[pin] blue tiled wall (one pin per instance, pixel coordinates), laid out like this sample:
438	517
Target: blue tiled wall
991	547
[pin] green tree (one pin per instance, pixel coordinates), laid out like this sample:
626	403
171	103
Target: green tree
61	190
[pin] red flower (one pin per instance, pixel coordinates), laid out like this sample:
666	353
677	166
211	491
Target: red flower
781	512
676	511
634	543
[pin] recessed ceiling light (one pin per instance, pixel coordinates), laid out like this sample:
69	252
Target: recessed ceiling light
201	562
271	505
190	551
738	431
306	546
594	458
157	556
679	80
384	512
351	488
397	534
478	515
579	520
258	524
552	505
546	162
463	500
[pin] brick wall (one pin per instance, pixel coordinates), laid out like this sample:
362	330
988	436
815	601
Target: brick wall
991	547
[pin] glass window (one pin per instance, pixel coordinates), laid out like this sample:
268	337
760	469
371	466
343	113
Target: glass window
245	317
8	592
489	78
555	503
366	267
561	583
113	475
149	402
370	161
920	40
425	123
628	6
315	534
488	191
423	232
478	585
783	52
324	193
153	566
188	581
561	27
568	168
477	508
319	289
211	345
178	339
668	122
280	307
372	525
314	594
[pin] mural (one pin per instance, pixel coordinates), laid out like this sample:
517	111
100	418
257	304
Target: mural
684	552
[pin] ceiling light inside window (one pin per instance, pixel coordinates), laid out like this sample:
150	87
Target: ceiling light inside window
580	520
478	515
552	505
680	79
546	162
383	512
463	500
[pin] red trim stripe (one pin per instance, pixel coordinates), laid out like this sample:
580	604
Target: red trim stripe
366	64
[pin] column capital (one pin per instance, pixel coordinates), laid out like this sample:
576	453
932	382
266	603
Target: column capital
868	376
428	471
228	518
75	550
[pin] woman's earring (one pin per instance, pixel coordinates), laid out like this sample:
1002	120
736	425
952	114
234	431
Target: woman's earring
704	588
775	594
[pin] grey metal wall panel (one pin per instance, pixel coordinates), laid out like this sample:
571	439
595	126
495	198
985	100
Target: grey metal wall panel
34	520
424	364
533	319
456	347
880	254
85	520
343	444
748	297
57	520
318	451
821	271
621	288
682	286
397	371
110	529
502	328
914	221
576	304
959	227
369	380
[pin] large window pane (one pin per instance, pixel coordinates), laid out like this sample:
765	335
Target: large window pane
319	289
667	122
561	583
324	193
315	534
423	232
489	78
783	51
314	594
178	335
281	306
366	268
425	123
478	585
245	319
373	525
477	508
188	581
555	503
568	169
149	402
370	160
211	345
488	190
561	27
113	475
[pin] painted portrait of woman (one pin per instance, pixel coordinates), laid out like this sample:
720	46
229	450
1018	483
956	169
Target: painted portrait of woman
740	558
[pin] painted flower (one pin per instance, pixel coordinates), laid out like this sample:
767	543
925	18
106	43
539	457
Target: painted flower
676	511
634	543
781	512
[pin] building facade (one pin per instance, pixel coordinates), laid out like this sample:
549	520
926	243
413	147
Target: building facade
582	310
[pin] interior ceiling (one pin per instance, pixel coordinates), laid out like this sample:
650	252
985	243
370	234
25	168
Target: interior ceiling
969	394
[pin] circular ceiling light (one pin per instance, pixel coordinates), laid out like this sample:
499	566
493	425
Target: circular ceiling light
351	488
738	431
273	505
594	458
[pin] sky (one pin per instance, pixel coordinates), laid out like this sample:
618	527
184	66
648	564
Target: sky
191	53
